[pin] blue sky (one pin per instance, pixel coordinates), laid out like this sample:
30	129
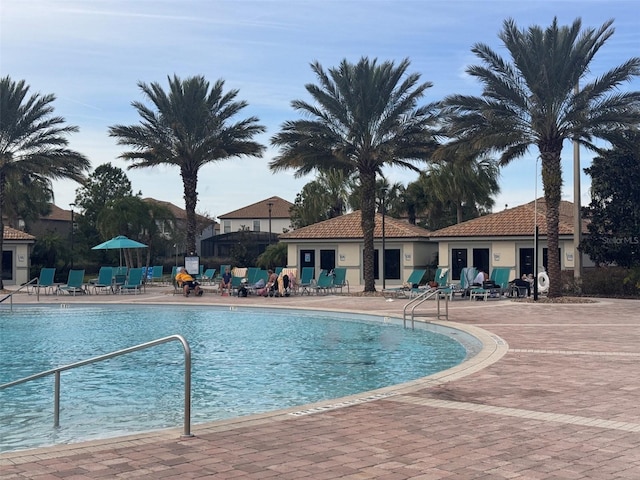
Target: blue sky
92	53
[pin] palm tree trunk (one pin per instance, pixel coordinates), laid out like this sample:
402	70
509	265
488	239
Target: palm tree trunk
368	209
2	182
190	182
552	184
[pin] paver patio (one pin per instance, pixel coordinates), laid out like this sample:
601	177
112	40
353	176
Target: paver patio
554	395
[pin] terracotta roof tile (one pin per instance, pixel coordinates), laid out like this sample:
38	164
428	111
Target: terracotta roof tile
13	234
348	226
279	209
177	212
515	221
58	214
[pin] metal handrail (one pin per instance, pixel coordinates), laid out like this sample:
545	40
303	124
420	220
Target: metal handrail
142	346
10	295
419	300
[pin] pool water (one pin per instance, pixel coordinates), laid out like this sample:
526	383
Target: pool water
244	361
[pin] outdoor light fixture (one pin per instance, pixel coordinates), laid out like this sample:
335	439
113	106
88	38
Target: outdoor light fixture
72	229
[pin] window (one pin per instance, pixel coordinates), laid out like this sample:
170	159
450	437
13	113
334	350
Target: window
226	225
256	225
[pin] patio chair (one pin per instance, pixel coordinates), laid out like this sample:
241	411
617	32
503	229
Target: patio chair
406	290
499	277
306	277
75	283
45	281
133	283
104	281
324	283
157	274
208	276
467	275
340	279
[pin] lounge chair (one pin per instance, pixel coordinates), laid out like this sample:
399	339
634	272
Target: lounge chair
467	275
340	279
208	276
104	281
133	283
306	279
407	289
499	278
157	274
324	283
75	283
45	281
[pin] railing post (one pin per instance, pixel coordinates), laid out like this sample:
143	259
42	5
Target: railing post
56	399
187	389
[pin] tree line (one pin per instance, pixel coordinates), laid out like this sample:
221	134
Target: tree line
359	118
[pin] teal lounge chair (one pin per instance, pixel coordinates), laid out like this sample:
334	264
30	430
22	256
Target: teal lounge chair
133	283
324	283
104	281
306	278
208	276
500	277
340	279
414	279
75	283
45	281
157	275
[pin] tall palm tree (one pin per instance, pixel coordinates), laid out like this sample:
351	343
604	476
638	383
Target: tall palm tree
532	100
33	143
364	116
192	125
468	181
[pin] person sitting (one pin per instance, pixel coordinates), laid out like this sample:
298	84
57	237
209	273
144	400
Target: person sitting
480	279
225	284
187	283
270	286
522	284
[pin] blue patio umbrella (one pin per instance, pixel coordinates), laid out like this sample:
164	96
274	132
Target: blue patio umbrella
120	242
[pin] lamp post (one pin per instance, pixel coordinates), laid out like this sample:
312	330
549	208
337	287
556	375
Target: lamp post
384	196
535	239
577	221
72	229
270	204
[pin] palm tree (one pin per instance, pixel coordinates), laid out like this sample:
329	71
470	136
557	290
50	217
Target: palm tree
192	125
469	181
364	116
33	143
534	101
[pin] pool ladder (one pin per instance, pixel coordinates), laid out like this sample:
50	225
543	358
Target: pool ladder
56	372
419	300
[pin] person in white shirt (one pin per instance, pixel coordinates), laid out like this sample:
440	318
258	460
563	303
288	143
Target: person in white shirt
480	278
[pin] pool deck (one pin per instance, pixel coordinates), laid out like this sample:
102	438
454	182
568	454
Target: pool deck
555	394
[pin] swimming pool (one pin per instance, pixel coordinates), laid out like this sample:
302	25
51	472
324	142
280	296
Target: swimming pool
244	361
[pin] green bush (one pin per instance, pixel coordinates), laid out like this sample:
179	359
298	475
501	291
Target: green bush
604	282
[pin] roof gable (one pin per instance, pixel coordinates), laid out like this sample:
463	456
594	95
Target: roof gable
515	221
13	234
279	209
349	226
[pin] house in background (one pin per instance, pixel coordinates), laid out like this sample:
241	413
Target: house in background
506	239
58	221
338	242
260	223
205	227
16	256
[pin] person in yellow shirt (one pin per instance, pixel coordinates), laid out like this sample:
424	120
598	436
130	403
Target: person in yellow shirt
187	283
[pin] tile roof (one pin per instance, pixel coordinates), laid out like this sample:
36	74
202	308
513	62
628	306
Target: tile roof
13	234
516	221
58	214
279	209
177	212
348	226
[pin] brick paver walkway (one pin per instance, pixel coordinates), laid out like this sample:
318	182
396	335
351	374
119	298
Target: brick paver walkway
555	394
